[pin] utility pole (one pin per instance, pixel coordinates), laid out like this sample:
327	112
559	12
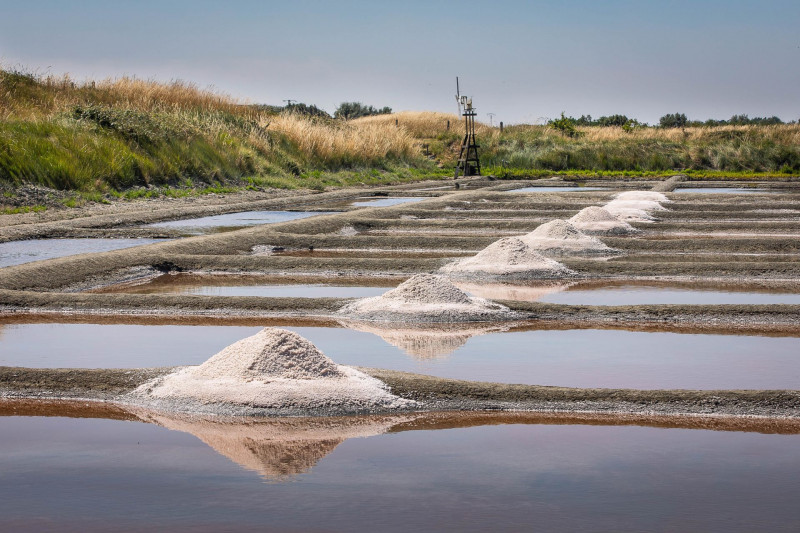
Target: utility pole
290	102
491	117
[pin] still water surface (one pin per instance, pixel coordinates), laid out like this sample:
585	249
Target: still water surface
233	221
100	475
574	358
19	252
558	189
386	202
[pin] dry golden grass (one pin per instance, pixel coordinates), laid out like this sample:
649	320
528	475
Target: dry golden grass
332	141
422	124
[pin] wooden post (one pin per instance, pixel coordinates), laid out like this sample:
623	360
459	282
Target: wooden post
396	122
448	125
501	126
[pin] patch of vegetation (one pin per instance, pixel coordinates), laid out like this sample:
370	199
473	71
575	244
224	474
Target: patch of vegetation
351	110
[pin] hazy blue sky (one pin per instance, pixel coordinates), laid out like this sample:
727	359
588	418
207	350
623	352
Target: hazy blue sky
520	60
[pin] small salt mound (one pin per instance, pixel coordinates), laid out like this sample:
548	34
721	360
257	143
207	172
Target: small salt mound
507	258
629	214
274	370
559	237
427	289
643	195
595	220
644	205
425	298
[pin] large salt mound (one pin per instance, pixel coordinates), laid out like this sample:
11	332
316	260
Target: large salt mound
559	237
274	371
643	195
595	220
425	298
508	258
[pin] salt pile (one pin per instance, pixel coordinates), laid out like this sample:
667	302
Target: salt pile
276	371
629	214
595	220
644	205
634	210
425	298
509	258
559	237
643	195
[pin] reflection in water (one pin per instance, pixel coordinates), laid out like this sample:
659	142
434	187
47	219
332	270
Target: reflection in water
276	448
279	449
518	292
425	342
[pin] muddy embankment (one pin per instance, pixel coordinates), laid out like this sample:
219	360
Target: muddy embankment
435	394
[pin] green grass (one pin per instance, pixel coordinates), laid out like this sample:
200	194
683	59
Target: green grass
22	209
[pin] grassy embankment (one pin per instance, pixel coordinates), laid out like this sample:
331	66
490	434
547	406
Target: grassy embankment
526	150
132	138
117	136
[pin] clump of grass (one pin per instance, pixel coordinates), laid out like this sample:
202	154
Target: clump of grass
22	209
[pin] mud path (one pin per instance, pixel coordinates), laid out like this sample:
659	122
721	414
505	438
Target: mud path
435	394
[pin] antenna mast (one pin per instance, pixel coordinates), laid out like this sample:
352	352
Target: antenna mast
468	163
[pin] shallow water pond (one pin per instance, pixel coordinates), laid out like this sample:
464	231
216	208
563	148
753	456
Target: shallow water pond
719	190
233	221
19	252
386	202
595	293
558	189
573	358
232	285
96	474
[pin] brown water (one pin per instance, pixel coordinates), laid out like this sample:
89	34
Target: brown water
574	358
523	474
266	286
19	252
631	293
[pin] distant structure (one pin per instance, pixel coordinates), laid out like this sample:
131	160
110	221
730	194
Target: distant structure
468	163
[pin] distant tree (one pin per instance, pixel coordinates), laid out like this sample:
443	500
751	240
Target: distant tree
565	125
309	110
673	120
613	120
351	110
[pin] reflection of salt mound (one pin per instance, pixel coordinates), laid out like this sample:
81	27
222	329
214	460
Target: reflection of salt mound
276	448
595	220
423	342
425	298
274	370
509	258
643	195
559	237
507	291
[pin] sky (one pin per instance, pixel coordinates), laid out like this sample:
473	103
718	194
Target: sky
523	61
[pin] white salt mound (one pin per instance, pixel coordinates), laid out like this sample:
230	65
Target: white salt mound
644	205
643	195
559	237
425	298
275	370
599	221
629	214
507	258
